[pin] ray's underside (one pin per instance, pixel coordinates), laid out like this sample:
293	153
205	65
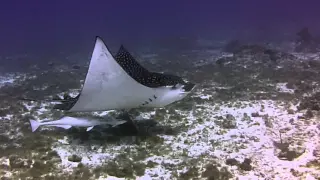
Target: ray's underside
121	78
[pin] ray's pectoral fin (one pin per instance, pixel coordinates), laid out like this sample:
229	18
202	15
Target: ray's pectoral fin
107	75
122	74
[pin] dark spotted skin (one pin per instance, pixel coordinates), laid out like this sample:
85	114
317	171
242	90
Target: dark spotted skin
142	75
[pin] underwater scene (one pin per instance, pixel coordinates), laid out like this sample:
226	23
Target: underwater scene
159	90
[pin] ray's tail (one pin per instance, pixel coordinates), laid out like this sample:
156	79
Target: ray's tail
34	125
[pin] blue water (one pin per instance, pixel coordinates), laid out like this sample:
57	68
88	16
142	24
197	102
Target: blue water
49	27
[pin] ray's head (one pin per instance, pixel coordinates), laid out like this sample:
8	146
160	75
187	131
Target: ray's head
175	93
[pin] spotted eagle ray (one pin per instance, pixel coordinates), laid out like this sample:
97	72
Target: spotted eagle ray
119	82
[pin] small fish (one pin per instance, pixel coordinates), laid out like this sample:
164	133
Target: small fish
67	122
